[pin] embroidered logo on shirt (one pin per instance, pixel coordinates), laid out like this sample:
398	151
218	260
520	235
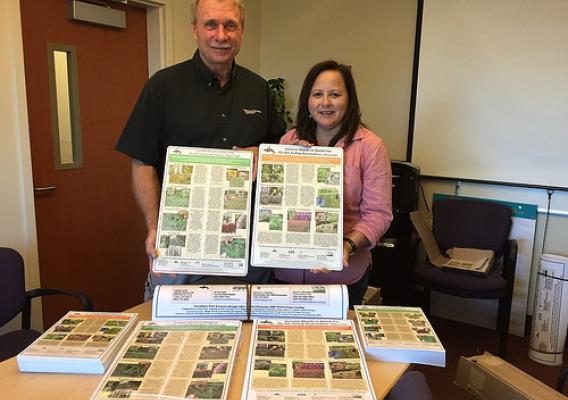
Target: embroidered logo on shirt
251	112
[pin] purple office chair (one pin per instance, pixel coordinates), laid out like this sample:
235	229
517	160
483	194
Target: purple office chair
15	300
474	224
412	386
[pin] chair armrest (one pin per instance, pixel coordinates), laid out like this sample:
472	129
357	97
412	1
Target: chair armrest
30	294
510	259
509	267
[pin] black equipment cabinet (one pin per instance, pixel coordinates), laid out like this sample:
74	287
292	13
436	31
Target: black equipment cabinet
394	256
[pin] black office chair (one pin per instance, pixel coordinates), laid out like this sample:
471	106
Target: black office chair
14	299
473	224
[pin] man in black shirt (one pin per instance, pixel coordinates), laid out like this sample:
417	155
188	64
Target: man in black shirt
208	101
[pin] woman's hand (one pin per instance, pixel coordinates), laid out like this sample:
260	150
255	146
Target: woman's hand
320	271
303	143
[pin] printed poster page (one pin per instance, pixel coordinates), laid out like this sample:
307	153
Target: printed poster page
402	334
171	302
247	302
299	301
203	225
298	219
548	334
175	359
303	359
80	342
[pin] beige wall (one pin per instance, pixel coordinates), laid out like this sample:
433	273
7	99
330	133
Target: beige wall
376	37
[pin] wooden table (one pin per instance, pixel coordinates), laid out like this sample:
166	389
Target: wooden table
17	385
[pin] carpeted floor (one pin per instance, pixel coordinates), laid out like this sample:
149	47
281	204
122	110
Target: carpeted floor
462	339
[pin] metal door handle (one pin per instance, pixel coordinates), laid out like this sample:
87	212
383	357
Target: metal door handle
44	189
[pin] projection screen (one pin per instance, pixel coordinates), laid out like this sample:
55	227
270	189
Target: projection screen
492	91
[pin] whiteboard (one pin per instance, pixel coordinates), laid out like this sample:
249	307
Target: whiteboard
492	91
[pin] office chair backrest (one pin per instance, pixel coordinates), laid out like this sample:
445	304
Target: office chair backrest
471	223
12	284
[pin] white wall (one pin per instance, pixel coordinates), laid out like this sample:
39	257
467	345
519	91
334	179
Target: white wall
16	201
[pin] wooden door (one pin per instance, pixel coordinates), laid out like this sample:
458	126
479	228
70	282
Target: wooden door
89	230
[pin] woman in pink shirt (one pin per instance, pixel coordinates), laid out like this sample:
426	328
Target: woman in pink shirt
329	115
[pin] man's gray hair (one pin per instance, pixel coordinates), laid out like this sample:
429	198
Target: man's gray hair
238	3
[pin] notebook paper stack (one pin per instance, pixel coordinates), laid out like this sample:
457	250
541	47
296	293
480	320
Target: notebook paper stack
79	343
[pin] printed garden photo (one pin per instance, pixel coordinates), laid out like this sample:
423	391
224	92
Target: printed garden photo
375	335
206	369
215	352
114	322
232	222
144	352
205	390
328	176
277	370
151	337
327	222
220	337
54	336
272	173
345	370
174	240
174	221
271	195
262	365
267	349
109	331
276	222
232	247
271	335
72	321
328	198
180	173
235	200
64	328
311	370
228	225
101	338
299	221
177	197
80	337
343	352
339	337
121	385
134	370
237	177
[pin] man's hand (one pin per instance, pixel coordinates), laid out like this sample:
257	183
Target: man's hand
146	189
150	244
254	150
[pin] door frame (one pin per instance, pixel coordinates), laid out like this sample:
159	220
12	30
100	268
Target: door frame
160	54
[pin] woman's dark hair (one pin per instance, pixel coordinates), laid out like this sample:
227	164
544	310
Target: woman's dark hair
306	126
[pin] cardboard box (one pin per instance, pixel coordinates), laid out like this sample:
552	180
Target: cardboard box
372	296
489	377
